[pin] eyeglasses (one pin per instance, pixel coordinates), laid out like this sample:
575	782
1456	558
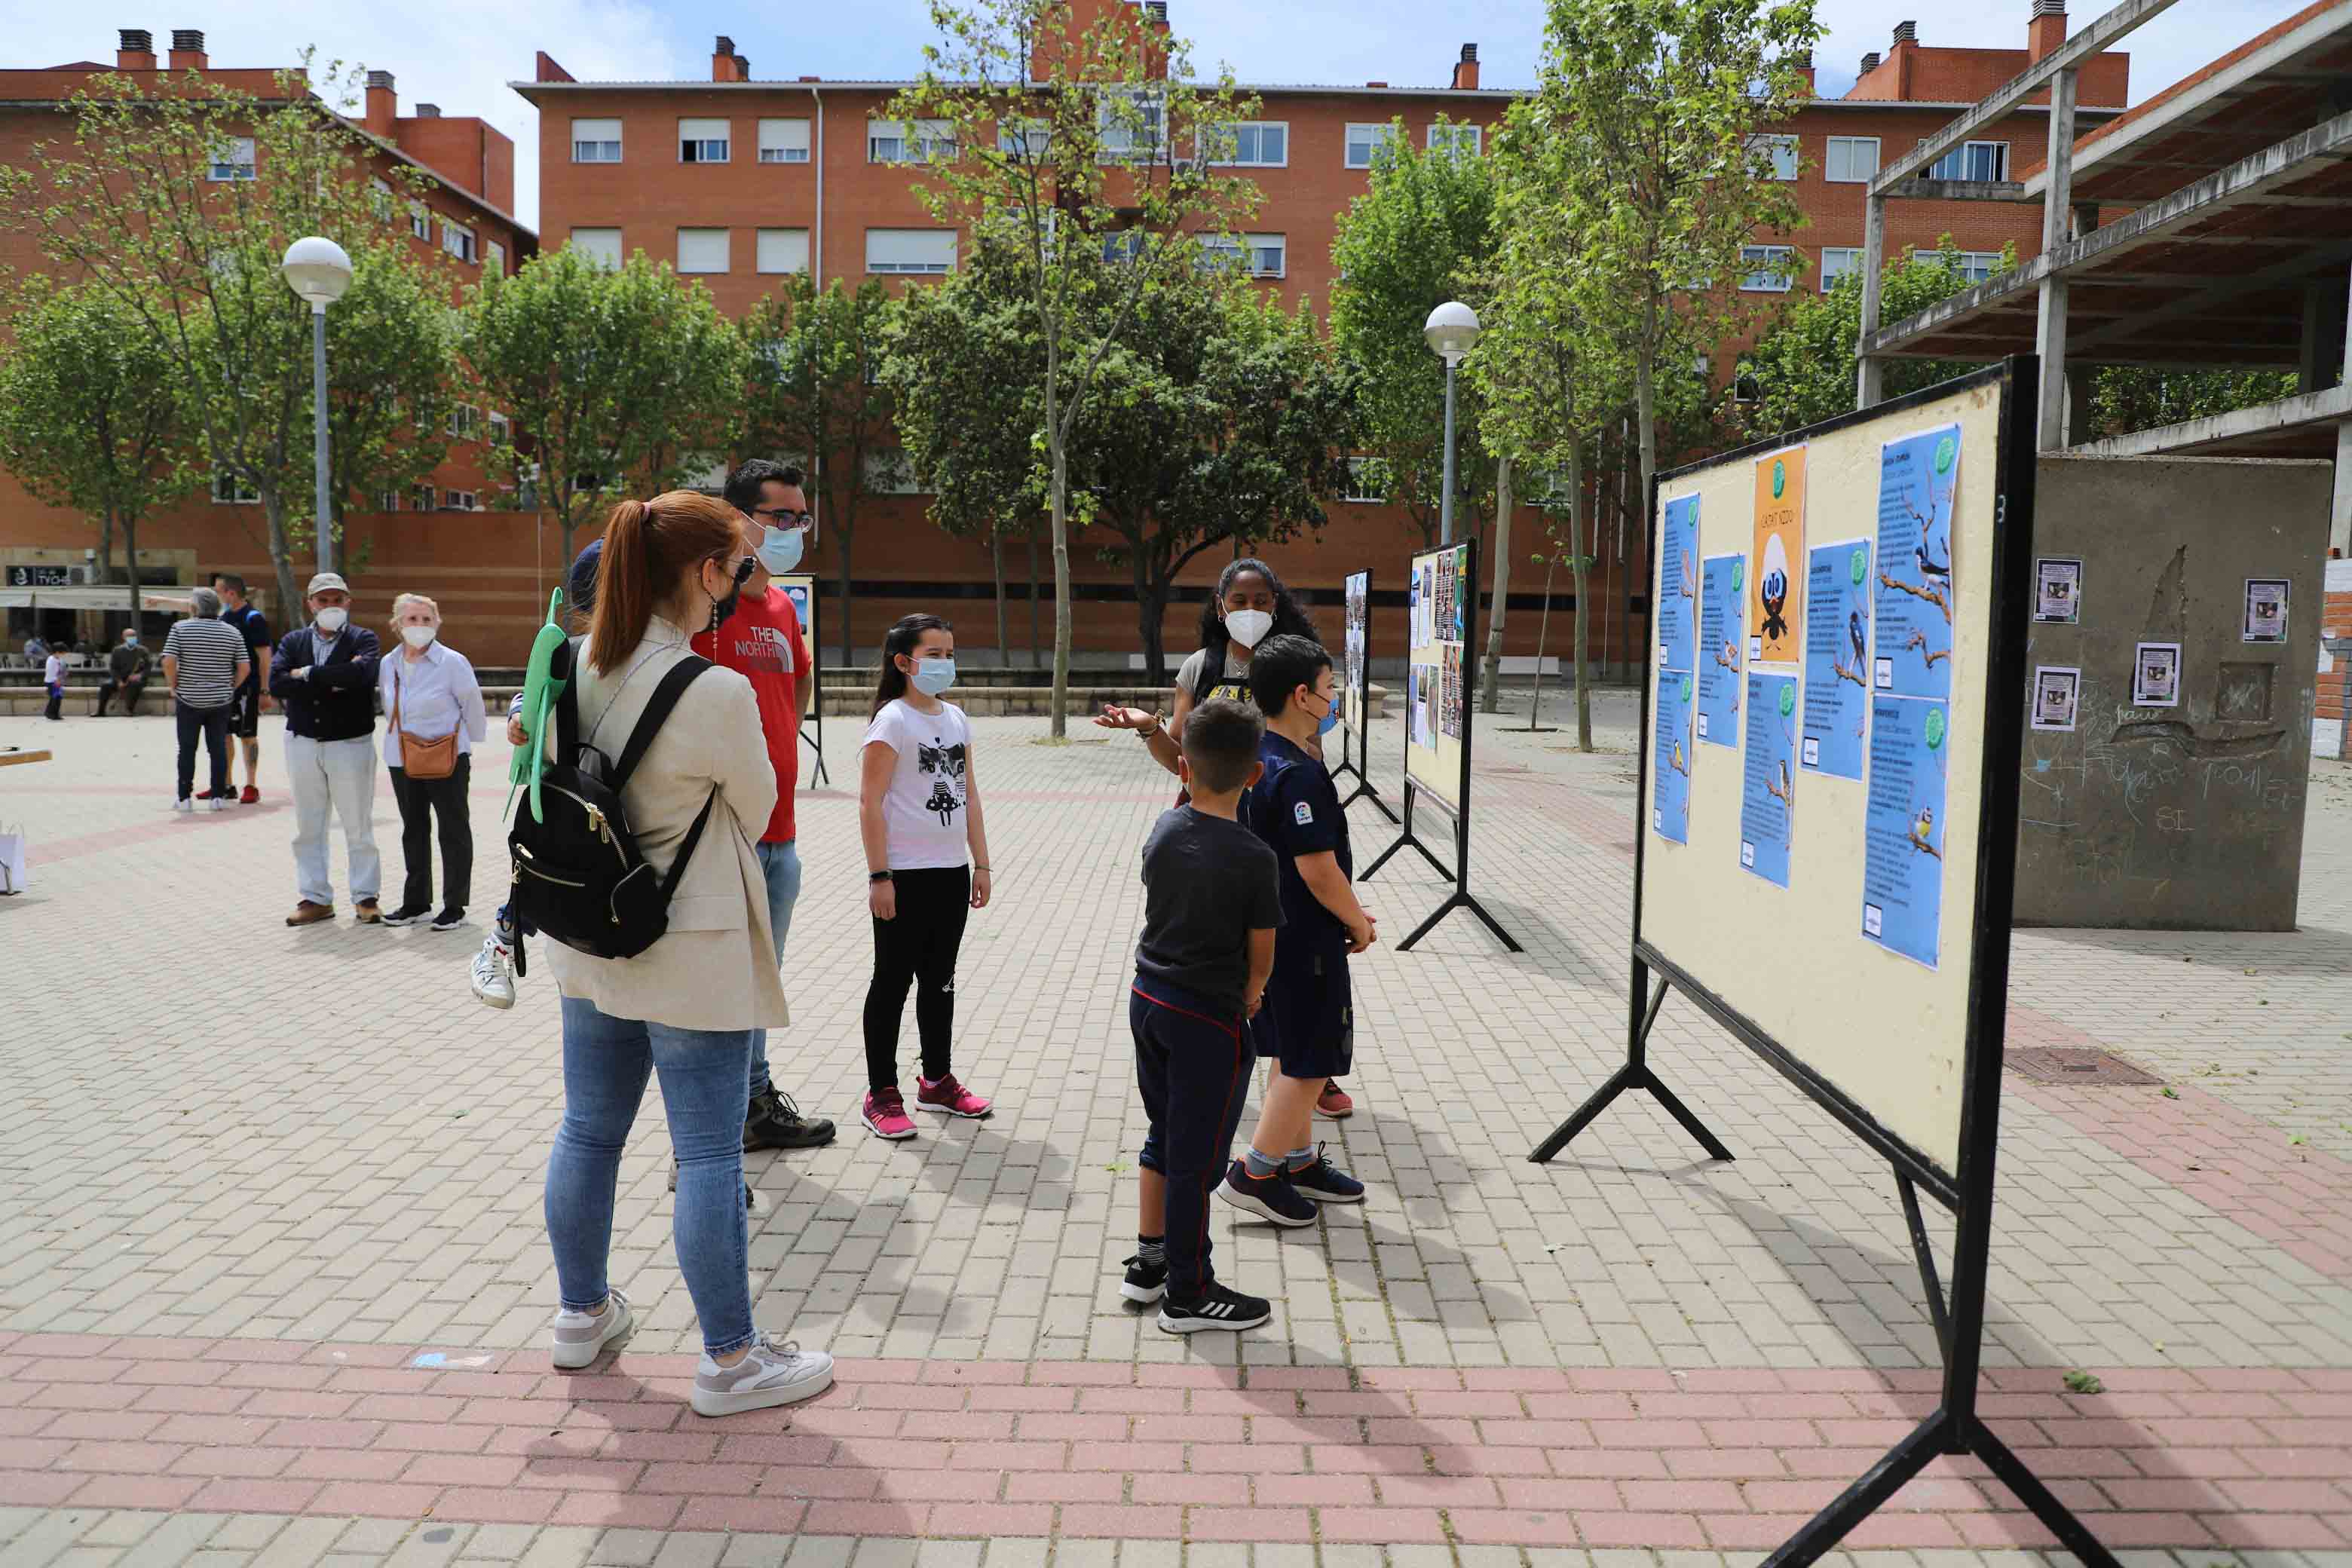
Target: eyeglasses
784	517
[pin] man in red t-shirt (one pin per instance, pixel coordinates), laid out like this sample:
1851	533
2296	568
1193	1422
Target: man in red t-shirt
762	640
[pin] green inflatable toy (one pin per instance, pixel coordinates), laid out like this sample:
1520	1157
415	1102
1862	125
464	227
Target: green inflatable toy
544	681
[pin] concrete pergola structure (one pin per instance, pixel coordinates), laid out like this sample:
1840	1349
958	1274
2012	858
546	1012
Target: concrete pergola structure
2210	228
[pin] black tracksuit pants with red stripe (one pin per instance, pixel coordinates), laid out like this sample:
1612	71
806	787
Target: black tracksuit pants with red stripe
1193	1062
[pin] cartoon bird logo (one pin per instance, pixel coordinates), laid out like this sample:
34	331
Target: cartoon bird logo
1772	589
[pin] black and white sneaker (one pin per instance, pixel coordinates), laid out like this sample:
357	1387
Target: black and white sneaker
449	919
407	914
1145	1282
1326	1183
1221	1309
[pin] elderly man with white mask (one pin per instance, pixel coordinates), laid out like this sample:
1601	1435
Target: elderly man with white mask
434	708
324	676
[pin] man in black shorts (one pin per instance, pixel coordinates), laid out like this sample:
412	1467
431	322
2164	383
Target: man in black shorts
251	700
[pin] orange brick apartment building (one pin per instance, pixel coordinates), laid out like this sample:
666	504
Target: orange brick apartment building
740	179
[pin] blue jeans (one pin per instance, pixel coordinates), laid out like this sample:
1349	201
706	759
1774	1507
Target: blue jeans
606	1061
781	863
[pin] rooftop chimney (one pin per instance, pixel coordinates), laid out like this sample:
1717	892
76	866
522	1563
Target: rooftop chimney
136	51
187	50
1465	69
1907	32
726	65
2045	30
1870	62
1801	62
428	111
383	106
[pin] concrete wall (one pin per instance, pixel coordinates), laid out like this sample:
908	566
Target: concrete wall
2186	818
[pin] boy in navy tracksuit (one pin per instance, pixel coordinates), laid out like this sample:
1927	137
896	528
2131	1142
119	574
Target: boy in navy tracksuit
1308	1022
1211	905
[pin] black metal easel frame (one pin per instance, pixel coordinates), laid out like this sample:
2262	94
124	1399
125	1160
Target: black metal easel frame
1461	897
1955	1427
812	723
1354	762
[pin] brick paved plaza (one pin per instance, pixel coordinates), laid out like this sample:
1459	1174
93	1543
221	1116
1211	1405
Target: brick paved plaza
274	1286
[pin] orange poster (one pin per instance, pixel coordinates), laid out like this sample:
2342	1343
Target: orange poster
1776	627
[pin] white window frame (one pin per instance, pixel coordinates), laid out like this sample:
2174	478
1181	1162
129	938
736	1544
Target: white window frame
1255	248
237	165
1962	157
1849	261
594	247
464	421
493	257
228	491
1240	157
1355	491
768	239
1373	137
911	268
1035	135
461	501
908	141
777	138
1458	138
501	429
420	222
1977	266
387	500
1840	170
594	149
725	241
458	241
1115	142
424	498
1128	244
379	199
1758	276
1782	151
707	149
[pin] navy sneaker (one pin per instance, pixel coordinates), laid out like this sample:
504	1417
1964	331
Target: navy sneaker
1145	1282
1271	1198
1326	1183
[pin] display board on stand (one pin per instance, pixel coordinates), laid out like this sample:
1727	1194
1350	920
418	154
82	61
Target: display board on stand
1442	609
801	588
1355	678
1827	870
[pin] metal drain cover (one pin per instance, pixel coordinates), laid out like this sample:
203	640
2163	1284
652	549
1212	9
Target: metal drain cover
2073	1064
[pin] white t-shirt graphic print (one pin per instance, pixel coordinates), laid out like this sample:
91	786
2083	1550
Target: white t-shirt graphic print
923	809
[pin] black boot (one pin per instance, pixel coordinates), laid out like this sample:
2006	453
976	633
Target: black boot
775	1123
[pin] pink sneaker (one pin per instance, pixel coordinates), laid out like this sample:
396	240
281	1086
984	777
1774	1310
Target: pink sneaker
946	1094
886	1115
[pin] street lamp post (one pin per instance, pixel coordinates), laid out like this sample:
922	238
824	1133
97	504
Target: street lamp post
1451	332
318	270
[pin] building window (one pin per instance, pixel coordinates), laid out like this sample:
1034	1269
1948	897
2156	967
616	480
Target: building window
1978	161
387	500
424	498
1462	141
1125	245
914	250
595	141
887	473
702	140
702	250
380	200
1256	144
420	221
460	500
784	140
494	258
1852	159
232	159
501	430
1266	253
1026	139
1976	266
1366	140
908	141
1131	123
1839	261
598	245
1778	152
458	241
465	422
784	250
230	491
1367	480
1770	268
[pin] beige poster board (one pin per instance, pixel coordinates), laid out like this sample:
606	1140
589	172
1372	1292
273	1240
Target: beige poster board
1889	1034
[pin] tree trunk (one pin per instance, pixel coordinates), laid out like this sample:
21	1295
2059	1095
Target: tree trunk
1149	611
1543	633
1061	494
1490	687
1581	533
1645	394
1036	654
847	537
290	612
996	562
131	565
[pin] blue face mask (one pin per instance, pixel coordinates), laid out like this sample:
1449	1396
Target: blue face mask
779	550
933	675
1330	720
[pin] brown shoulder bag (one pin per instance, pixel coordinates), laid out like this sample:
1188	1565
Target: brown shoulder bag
421	758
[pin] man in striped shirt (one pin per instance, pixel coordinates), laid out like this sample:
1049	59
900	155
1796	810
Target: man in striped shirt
204	662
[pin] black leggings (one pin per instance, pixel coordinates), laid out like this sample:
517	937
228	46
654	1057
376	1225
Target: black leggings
917	948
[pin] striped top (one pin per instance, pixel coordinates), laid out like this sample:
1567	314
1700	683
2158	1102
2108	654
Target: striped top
207	651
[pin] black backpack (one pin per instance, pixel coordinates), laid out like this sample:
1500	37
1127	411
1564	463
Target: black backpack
578	878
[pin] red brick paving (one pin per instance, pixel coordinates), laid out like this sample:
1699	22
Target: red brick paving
1724	1459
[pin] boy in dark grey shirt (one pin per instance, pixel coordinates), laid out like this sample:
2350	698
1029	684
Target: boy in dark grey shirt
1212	900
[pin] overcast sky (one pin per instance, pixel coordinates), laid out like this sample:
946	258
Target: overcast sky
461	54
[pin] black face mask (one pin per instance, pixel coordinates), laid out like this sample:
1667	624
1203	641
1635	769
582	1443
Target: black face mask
727	607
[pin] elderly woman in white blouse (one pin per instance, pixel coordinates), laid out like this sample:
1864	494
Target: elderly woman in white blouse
433	718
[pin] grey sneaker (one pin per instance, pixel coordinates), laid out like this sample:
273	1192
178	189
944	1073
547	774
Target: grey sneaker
775	1372
580	1339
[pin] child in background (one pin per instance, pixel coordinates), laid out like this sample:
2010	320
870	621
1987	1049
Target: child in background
1212	900
1308	1023
53	676
918	812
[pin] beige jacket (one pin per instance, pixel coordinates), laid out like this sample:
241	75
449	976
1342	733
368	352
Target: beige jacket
715	968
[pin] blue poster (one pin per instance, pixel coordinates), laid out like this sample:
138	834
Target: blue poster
1903	828
1671	763
1768	797
1721	634
1919	479
1678	584
1837	657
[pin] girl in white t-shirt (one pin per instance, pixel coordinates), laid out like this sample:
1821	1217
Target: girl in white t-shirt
919	812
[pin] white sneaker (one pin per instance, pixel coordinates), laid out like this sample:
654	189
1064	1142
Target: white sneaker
217	803
772	1374
184	803
494	974
579	1338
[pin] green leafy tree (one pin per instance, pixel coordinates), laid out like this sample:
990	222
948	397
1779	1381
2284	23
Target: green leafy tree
175	200
1415	240
392	382
617	379
817	395
1070	142
2127	398
90	417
